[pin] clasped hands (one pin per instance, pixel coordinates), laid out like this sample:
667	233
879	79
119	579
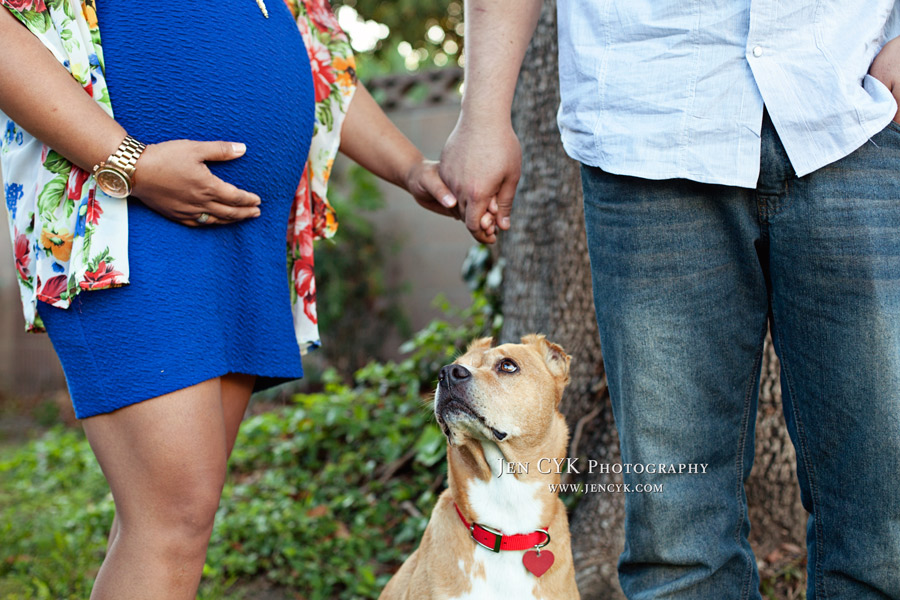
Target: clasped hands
475	180
481	164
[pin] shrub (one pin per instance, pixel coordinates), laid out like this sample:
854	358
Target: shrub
327	494
55	511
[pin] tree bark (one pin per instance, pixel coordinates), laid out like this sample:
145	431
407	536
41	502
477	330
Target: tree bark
547	289
773	496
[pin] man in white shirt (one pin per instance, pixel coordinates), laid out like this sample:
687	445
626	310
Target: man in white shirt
740	168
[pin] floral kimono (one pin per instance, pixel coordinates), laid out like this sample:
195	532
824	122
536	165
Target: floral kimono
69	236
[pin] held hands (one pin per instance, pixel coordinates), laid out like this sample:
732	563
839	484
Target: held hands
886	69
374	142
481	164
172	178
424	183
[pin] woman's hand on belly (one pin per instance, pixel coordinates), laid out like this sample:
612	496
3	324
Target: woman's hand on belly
172	179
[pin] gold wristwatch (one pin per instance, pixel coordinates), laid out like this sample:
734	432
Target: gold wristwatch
115	175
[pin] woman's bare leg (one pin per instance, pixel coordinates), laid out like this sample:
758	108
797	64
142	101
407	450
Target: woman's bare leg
165	461
236	389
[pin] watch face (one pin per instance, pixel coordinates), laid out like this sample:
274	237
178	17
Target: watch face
113	182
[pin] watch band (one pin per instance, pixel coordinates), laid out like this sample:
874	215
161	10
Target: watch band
126	155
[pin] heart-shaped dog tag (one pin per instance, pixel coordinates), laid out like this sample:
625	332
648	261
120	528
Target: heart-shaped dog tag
538	563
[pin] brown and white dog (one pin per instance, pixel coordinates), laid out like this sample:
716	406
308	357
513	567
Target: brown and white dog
498	407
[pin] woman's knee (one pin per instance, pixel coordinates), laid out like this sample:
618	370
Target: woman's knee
165	461
179	523
193	510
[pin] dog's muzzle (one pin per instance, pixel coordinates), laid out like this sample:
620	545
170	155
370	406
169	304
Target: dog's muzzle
452	398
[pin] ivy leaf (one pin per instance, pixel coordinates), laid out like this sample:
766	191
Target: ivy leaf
431	446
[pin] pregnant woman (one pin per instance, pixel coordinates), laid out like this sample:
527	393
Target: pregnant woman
213	108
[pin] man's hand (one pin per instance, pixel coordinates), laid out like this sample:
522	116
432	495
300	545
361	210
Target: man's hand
886	69
482	159
481	164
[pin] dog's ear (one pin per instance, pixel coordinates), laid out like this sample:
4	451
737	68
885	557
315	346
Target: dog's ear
556	358
480	344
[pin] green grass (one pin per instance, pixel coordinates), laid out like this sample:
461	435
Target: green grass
307	505
785	578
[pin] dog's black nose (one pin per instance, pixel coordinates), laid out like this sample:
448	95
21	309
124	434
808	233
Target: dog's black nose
454	373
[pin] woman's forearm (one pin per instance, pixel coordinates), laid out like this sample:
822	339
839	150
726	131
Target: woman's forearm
369	138
43	98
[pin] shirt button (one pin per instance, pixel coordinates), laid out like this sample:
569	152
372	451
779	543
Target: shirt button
757	51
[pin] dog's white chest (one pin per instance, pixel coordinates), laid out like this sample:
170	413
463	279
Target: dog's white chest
506	577
509	505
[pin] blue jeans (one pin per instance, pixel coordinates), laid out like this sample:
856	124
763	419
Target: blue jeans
686	278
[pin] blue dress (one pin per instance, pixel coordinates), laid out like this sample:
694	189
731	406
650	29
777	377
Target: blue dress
203	301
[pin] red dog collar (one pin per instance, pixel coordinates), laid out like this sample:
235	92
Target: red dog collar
495	541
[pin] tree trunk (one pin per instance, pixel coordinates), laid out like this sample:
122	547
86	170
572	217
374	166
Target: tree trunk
773	496
547	289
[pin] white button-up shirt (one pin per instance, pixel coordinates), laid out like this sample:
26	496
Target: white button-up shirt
667	88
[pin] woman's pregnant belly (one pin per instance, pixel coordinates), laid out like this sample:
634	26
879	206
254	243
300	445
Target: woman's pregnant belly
206	70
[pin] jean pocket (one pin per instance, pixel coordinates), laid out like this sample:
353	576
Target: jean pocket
888	136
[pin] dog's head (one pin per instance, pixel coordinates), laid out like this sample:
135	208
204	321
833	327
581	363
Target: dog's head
507	394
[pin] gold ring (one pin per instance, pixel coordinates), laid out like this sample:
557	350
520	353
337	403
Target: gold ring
203	218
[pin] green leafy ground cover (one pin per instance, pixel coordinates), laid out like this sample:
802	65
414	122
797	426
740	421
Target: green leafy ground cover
326	494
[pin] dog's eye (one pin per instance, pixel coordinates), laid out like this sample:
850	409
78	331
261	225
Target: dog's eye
508	365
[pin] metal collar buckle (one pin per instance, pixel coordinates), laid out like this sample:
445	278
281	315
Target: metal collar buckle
498	536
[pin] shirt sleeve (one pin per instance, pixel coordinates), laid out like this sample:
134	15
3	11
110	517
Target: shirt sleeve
334	81
312	217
